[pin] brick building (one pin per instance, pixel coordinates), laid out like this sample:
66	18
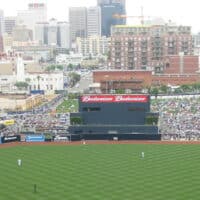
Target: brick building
146	47
136	80
175	79
130	80
180	64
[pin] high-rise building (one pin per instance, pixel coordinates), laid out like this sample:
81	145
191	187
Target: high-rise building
41	32
10	23
63	35
109	8
94	21
52	32
147	47
37	12
22	34
78	22
2	27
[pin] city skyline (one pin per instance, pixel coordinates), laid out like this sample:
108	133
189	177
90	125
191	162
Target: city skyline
180	13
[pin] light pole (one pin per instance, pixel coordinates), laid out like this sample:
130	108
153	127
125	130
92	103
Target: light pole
106	80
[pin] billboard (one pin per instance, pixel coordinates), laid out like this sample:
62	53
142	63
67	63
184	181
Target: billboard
115	98
7	122
10	138
35	138
37	91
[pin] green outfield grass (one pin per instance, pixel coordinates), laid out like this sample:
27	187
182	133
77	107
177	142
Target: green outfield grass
70	105
100	172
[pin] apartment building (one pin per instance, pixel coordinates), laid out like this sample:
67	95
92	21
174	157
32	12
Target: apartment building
93	45
146	46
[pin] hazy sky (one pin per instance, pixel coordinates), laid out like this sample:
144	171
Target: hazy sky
180	11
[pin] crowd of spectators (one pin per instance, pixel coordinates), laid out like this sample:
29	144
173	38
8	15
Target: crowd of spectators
42	119
179	117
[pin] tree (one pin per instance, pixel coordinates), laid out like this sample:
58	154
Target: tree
154	91
38	79
185	88
21	85
70	66
164	89
74	78
59	67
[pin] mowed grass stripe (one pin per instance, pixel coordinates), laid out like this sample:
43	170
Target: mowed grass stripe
101	172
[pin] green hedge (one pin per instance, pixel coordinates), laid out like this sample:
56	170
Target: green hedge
76	120
151	120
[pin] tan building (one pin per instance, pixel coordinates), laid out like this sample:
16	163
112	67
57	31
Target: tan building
7	42
93	45
22	34
20	102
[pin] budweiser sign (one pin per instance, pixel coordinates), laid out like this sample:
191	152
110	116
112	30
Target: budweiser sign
114	98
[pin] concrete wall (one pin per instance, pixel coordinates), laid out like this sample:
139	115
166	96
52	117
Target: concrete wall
118	129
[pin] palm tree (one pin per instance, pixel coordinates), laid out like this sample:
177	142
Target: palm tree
38	79
28	80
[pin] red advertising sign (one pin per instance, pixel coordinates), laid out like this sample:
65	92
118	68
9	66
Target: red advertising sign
114	98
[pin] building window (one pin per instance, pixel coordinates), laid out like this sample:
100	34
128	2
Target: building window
91	109
136	109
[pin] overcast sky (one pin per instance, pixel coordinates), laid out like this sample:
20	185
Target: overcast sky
180	11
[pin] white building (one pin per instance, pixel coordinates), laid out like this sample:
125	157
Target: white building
93	21
93	45
74	59
41	32
20	76
52	32
47	81
63	35
37	12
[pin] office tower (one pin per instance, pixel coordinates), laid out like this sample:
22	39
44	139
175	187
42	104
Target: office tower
109	8
41	32
22	34
78	22
37	12
94	21
63	39
2	28
52	32
122	2
10	23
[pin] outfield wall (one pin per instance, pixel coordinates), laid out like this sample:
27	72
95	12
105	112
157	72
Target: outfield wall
77	137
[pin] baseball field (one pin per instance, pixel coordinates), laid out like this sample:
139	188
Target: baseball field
100	172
